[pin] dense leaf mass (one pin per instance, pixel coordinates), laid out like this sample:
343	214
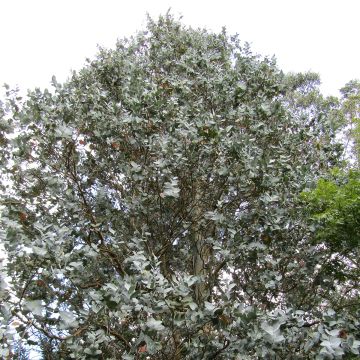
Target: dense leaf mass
151	208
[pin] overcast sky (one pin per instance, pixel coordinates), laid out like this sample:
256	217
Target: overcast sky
41	38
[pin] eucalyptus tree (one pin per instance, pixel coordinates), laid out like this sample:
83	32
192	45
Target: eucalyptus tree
151	207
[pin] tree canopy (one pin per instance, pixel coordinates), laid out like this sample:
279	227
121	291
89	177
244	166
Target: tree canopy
152	208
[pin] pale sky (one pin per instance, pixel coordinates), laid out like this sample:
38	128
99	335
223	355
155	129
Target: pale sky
41	38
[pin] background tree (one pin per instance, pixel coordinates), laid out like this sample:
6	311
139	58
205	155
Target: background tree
351	112
334	208
151	206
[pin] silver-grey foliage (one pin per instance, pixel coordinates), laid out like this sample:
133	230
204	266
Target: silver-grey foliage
150	207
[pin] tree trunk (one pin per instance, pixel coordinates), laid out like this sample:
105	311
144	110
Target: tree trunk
200	251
